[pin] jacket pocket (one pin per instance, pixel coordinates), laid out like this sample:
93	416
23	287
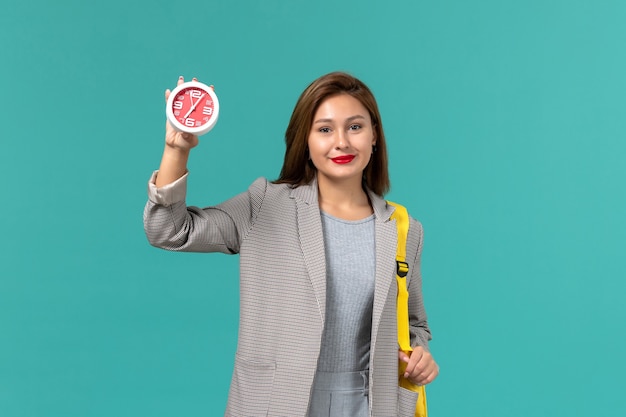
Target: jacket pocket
251	388
407	401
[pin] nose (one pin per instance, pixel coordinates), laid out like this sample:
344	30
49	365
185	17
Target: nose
341	139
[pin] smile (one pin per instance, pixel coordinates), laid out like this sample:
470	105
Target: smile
343	159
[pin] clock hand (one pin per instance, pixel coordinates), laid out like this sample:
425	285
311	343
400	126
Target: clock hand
193	107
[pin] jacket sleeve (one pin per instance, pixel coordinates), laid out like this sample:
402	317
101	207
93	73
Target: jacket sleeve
170	224
420	332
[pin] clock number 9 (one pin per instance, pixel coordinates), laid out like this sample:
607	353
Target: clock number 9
178	105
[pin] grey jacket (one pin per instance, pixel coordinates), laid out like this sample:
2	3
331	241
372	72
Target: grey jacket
277	231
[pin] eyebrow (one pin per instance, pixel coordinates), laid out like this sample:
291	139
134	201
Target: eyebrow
349	119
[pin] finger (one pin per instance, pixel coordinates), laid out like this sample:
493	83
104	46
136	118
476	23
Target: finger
403	356
168	91
425	379
186	136
412	369
194	79
428	373
417	358
212	87
426	361
425	364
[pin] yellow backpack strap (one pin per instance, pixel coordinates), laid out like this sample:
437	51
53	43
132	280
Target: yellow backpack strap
401	216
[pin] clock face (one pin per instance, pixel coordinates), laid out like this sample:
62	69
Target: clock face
193	108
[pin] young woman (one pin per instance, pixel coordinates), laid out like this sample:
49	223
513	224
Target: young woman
317	330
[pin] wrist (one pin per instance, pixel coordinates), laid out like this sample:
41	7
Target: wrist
175	153
173	165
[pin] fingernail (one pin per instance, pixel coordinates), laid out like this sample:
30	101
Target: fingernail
406	374
180	78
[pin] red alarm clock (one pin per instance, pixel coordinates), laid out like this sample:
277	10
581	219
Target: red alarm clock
192	107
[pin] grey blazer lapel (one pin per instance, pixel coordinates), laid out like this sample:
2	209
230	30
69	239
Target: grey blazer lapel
312	243
312	239
386	244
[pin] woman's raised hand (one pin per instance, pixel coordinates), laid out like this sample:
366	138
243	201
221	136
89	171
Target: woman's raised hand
176	153
175	139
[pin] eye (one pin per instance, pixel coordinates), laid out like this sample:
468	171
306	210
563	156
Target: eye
355	127
324	129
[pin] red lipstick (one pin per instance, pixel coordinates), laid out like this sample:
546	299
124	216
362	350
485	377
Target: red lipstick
343	159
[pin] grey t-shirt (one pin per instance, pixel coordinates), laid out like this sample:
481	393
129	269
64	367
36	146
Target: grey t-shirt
350	270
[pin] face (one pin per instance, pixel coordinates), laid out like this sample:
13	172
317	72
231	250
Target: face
341	139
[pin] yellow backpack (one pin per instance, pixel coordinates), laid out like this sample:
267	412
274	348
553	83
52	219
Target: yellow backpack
404	338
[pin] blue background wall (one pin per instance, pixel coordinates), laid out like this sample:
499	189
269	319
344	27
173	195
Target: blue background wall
507	134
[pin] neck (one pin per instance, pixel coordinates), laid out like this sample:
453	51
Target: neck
345	199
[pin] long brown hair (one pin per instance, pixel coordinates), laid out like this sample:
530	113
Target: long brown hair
297	168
